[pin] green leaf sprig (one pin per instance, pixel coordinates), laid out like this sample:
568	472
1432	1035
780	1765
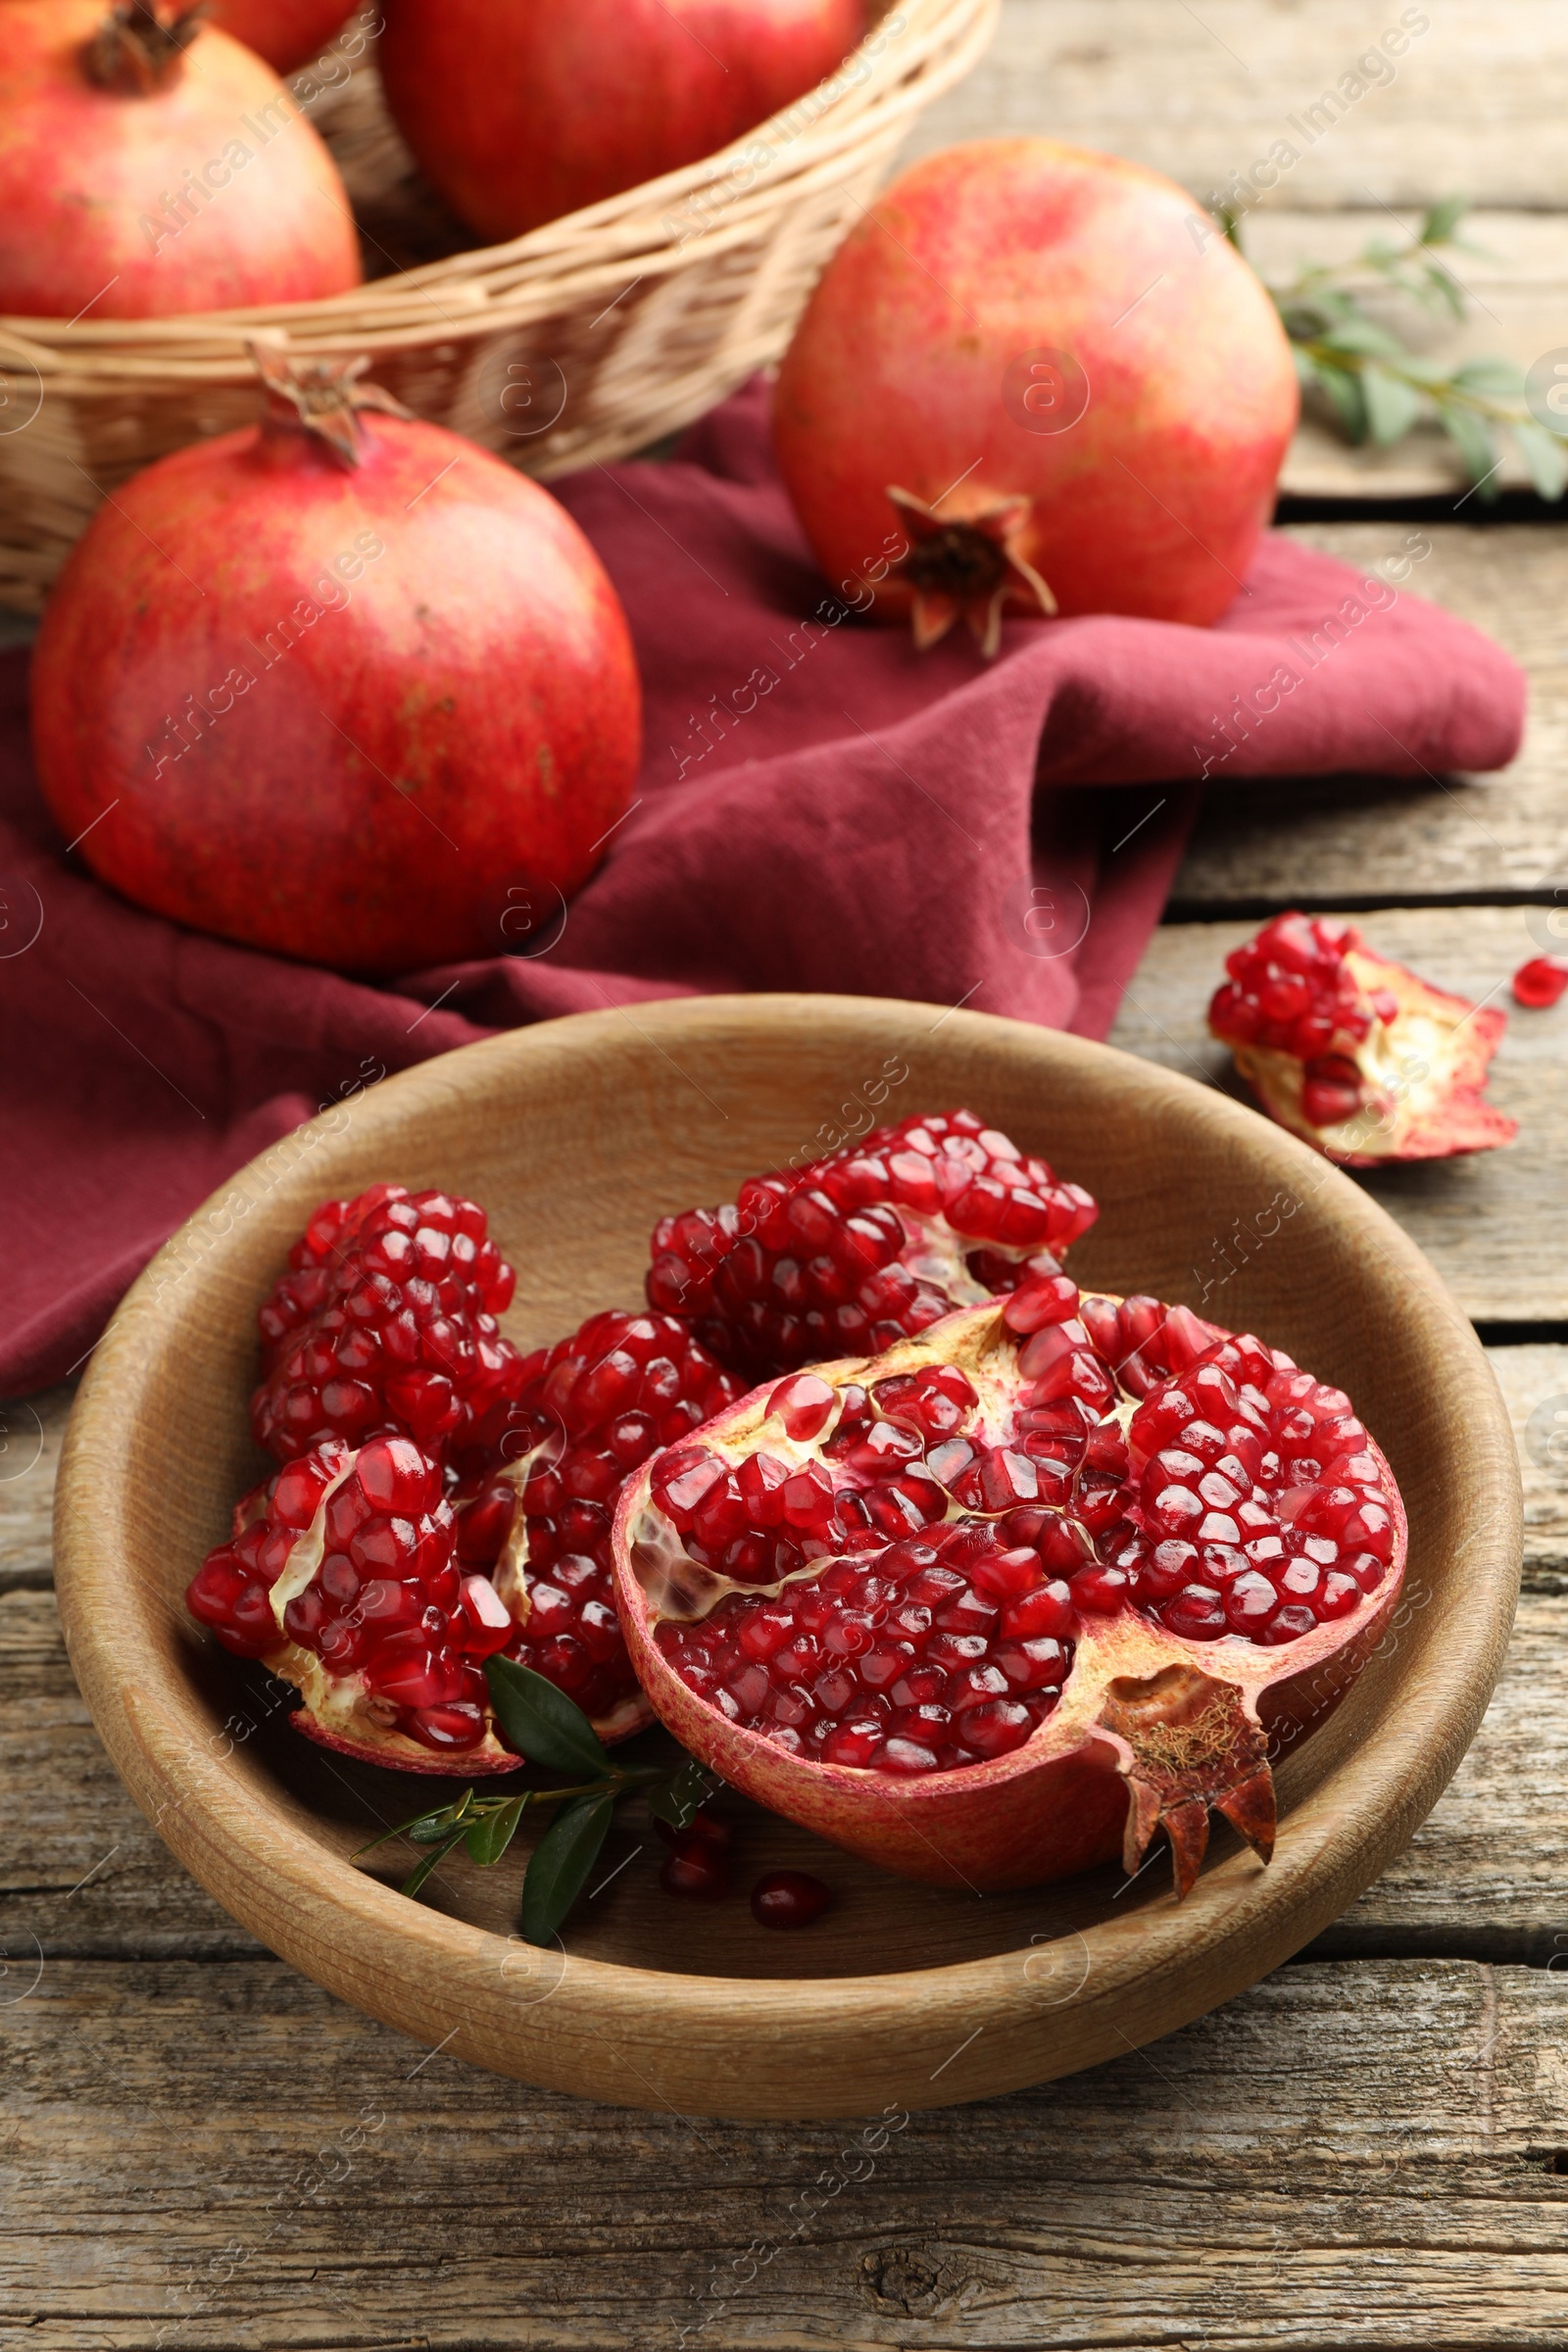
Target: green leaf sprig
546	1728
1377	388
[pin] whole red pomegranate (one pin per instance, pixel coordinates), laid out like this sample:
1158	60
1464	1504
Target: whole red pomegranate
1035	378
523	110
150	165
335	685
1008	1599
1355	1054
287	32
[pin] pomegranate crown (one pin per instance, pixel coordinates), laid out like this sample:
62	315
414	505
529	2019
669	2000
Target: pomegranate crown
137	50
320	397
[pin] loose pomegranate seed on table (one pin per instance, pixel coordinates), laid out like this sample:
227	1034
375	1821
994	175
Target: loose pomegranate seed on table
1541	982
872	1243
789	1898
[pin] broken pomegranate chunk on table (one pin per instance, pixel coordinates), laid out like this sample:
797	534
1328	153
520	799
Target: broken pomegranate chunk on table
1353	1054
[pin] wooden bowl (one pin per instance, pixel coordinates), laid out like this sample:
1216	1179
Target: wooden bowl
577	1135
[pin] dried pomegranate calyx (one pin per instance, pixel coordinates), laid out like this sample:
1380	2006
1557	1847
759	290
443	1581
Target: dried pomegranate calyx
1357	1055
1014	1559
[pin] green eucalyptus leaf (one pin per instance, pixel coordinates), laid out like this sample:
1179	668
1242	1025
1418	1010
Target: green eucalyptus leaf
558	1867
432	1861
1444	289
1442	219
1344	391
677	1799
1472	436
541	1722
488	1838
1545	456
1392	405
1364	338
1498	376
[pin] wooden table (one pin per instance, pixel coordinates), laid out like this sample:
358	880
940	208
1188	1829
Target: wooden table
1370	2148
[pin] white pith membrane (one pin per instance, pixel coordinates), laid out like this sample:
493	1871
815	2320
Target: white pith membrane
1421	1072
339	1704
1182	1712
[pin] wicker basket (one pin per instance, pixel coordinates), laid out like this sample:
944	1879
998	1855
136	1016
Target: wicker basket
580	342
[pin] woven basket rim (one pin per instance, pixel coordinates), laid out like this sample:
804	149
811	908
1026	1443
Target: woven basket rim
580	254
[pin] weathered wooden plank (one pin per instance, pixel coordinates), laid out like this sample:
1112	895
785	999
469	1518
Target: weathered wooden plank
1534	1380
1475	101
31	1429
1366	839
1348	2155
1492	1222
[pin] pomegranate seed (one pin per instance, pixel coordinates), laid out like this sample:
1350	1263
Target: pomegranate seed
695	1867
1541	982
789	1898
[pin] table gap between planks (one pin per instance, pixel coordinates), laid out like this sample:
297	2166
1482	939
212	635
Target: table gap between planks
1368	2149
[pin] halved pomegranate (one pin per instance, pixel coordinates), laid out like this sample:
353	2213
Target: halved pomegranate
1013	1595
864	1246
386	1320
582	1417
342	1576
1353	1054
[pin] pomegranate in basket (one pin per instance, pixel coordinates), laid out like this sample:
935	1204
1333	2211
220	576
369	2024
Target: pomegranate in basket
287	32
151	165
523	110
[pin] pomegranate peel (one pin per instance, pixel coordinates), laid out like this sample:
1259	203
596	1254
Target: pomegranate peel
1358	1056
1116	1677
868	1244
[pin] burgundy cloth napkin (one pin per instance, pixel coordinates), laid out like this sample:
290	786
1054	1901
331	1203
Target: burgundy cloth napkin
819	807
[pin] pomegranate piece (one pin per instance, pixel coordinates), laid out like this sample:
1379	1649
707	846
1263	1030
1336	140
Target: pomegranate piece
386	1320
789	1898
342	1576
1539	983
1357	1055
577	1420
871	1244
1135	1550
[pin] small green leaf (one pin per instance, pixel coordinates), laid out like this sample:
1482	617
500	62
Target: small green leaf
1545	454
1392	405
677	1799
1442	219
1344	391
1499	376
1471	435
560	1862
489	1836
541	1722
425	1829
1363	338
431	1861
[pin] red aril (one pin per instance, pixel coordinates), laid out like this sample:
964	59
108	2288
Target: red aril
789	1898
385	1321
1353	1054
287	32
342	1576
577	1420
522	113
1541	982
342	685
1035	378
867	1245
1081	1615
151	165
